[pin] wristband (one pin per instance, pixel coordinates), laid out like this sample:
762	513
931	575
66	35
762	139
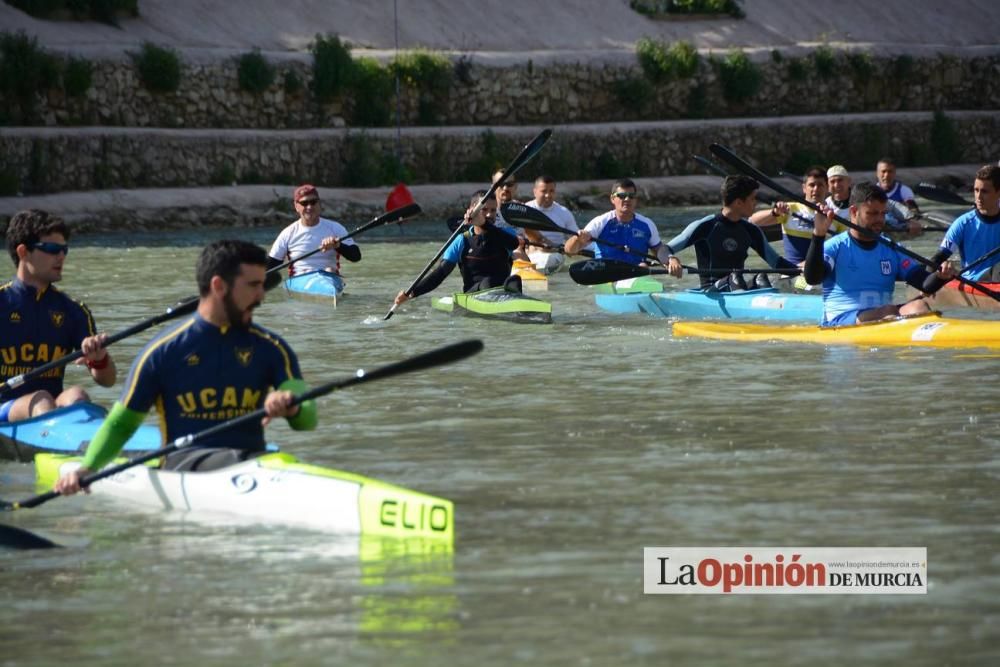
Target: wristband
100	364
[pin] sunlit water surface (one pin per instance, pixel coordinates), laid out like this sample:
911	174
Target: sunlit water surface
566	449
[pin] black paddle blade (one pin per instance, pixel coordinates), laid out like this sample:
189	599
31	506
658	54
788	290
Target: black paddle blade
934	193
598	271
12	537
521	215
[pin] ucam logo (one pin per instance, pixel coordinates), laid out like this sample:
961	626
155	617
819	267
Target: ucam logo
244	483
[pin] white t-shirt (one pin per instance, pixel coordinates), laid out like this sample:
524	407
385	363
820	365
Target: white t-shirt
560	215
297	239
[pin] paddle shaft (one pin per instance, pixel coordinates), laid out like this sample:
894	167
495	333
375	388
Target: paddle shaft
437	357
528	152
598	271
561	251
934	193
729	156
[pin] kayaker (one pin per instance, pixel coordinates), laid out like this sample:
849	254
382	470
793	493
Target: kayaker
722	241
976	233
903	210
795	218
858	272
623	226
548	254
507	192
482	252
39	323
213	366
309	232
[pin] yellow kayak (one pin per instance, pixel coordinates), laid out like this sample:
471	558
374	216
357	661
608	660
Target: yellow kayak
930	330
532	280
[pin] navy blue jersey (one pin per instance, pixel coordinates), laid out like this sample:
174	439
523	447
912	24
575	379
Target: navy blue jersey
37	327
198	375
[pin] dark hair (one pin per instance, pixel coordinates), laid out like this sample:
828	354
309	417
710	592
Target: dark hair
623	183
476	196
223	259
886	160
738	187
990	172
815	171
544	178
29	226
866	191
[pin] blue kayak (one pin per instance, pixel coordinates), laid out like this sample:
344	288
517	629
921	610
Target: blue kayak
66	431
758	304
316	284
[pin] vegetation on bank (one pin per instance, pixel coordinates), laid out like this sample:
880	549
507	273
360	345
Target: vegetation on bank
672	8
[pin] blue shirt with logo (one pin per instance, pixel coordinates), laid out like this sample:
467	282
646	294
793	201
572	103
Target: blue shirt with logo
639	235
197	375
37	327
973	235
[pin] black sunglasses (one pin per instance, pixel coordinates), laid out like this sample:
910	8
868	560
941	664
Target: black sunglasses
626	195
50	247
308	202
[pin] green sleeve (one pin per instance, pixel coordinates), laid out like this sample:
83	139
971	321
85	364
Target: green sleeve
306	418
112	436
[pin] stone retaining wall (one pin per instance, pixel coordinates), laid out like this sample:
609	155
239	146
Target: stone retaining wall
527	93
52	159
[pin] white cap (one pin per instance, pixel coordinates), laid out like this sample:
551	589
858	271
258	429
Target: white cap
836	170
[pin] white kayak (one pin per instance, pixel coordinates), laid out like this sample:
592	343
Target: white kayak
276	489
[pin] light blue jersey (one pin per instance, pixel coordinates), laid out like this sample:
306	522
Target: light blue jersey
860	278
972	236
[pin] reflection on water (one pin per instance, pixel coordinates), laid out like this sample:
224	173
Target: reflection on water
566	449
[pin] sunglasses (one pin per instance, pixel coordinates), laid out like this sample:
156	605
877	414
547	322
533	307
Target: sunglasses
50	247
308	202
626	195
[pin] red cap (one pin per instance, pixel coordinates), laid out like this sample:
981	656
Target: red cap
305	191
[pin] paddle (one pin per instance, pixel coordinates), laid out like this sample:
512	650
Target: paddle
520	215
396	215
974	264
561	251
934	193
737	162
599	271
528	152
436	357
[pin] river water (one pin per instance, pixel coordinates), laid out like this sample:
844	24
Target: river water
566	448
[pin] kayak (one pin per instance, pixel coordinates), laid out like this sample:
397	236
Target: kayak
931	330
66	431
497	303
322	285
532	280
958	295
758	304
639	285
276	489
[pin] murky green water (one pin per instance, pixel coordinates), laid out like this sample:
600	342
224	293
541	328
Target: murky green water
566	448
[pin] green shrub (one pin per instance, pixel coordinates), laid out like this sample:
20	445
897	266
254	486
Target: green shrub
740	78
333	68
78	77
797	69
697	104
159	68
824	61
633	93
105	11
372	94
223	174
608	166
902	67
431	75
488	159
10	184
657	7
776	56
862	67
661	63
945	142
361	166
256	74
25	71
292	82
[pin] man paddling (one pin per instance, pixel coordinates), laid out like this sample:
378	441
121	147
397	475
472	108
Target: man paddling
482	253
857	271
212	367
547	254
722	241
622	226
309	232
976	233
39	324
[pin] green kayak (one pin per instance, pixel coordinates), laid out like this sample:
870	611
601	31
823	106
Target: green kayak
497	303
